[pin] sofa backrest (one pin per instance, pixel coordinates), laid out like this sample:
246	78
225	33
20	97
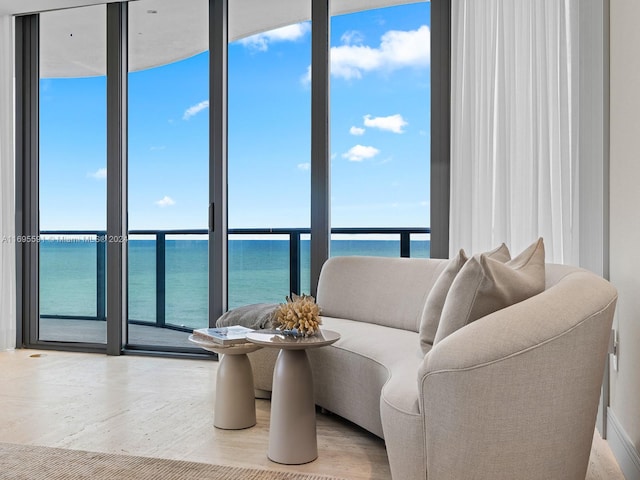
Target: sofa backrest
384	291
554	273
389	291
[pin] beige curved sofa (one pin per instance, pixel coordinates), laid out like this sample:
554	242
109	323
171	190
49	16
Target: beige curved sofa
511	395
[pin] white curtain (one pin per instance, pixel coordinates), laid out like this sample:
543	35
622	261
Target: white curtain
514	110
7	202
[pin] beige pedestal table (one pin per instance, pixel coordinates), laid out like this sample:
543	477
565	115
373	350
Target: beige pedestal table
235	406
292	430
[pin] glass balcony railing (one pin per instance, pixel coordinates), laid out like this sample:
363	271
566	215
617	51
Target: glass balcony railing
168	269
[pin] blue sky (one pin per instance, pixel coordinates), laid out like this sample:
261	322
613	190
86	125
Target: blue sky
380	129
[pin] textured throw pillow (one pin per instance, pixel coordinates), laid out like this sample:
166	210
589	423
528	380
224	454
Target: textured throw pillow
256	316
435	301
436	298
500	253
485	285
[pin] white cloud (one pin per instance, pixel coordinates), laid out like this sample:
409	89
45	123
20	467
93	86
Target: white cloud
352	37
158	148
397	49
98	174
195	109
356	131
261	41
392	123
349	61
304	166
165	201
360	153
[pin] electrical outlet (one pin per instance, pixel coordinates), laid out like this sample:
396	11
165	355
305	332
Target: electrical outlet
613	349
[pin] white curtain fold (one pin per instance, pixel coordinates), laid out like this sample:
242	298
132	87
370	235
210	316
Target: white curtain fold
7	198
514	140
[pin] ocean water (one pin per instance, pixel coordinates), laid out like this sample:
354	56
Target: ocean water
258	272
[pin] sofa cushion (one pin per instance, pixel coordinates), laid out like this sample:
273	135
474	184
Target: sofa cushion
436	298
485	285
359	365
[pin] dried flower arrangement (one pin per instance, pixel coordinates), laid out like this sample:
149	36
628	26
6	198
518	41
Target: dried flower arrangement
299	315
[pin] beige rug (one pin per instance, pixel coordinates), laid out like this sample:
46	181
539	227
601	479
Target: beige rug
28	462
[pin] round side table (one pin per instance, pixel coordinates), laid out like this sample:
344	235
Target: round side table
235	406
292	430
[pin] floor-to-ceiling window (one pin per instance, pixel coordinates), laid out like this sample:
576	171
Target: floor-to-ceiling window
380	142
168	174
72	173
380	128
269	154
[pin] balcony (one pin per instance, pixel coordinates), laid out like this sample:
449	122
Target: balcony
168	276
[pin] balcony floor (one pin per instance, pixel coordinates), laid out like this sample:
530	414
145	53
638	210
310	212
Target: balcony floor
95	331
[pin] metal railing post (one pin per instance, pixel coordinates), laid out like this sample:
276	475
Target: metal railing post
101	276
161	261
294	262
405	244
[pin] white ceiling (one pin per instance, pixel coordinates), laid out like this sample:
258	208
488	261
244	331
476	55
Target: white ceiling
161	31
13	7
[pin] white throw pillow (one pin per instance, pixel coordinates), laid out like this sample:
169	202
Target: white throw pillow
485	285
436	298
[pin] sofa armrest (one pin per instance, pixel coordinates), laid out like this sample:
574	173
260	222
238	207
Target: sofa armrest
515	394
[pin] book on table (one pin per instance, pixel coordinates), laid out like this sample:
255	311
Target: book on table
232	335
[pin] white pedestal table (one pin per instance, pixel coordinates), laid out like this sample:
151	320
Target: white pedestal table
235	406
292	430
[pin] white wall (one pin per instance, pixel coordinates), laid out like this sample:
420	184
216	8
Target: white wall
625	215
7	201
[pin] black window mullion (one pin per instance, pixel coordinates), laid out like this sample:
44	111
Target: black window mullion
320	140
116	177
27	70
218	262
440	126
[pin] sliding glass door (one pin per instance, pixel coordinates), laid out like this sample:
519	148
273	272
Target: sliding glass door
168	175
380	131
269	155
72	176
